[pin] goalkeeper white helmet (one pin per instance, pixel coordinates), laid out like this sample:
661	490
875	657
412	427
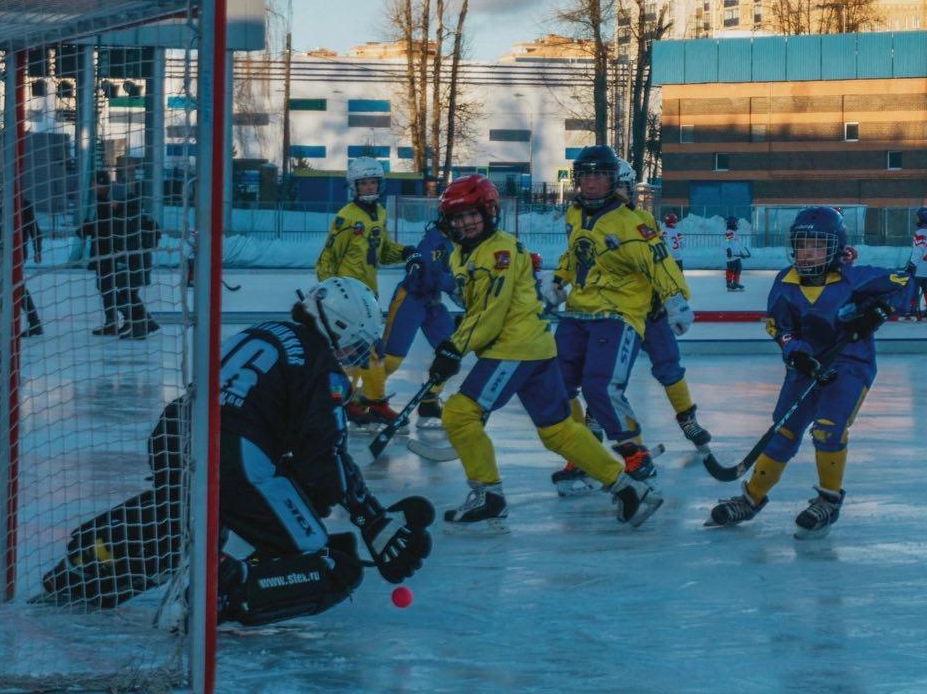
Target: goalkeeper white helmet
627	178
365	167
348	315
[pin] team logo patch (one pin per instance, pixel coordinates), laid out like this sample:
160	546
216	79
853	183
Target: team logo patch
337	386
503	260
646	231
358	228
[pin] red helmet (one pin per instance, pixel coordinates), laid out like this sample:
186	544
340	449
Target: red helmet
670	220
474	192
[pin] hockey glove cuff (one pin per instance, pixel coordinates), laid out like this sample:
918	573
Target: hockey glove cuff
554	293
446	362
398	539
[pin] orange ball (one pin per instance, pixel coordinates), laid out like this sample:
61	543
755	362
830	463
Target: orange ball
402	597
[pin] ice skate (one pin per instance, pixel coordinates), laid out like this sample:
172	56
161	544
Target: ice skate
382	414
638	462
483	512
571	481
735	510
429	413
822	512
694	431
635	499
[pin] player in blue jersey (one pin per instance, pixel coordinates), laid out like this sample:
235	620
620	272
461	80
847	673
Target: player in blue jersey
812	305
416	303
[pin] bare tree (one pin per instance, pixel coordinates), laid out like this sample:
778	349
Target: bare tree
592	22
455	114
649	26
436	93
792	17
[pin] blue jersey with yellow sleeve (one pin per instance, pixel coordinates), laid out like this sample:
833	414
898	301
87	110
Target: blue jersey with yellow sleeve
809	313
614	263
435	249
357	244
495	284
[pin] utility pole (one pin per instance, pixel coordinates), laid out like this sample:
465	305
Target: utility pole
288	51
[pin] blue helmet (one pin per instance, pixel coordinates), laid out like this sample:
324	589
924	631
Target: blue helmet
592	159
731	223
921	216
816	241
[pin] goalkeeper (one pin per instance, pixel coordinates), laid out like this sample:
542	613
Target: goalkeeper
284	465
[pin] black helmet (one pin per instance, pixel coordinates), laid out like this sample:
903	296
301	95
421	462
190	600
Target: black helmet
596	158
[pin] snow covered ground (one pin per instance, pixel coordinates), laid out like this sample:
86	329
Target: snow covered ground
570	601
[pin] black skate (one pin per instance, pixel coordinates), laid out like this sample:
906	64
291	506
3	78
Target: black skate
429	413
638	462
822	512
694	431
571	481
82	579
735	510
636	499
483	511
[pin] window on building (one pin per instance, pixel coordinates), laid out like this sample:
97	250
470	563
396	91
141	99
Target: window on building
510	135
308	104
584	124
851	132
893	161
356	120
757	15
722	161
687	134
307	151
731	3
368	106
758	132
650	11
254	119
732	17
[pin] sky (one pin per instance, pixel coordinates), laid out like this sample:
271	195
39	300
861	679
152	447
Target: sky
493	25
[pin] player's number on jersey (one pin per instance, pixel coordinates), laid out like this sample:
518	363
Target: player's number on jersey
244	363
659	251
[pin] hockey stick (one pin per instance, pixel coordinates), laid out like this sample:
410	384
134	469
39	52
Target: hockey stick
729	474
389	431
231	288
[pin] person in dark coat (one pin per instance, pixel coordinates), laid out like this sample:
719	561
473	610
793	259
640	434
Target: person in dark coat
138	236
30	231
102	252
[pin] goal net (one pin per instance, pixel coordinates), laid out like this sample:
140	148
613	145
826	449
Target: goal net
98	300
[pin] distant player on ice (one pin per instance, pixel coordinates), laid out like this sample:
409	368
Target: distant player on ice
917	265
356	246
811	306
735	251
673	238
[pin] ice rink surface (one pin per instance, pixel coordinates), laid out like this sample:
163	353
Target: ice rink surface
570	601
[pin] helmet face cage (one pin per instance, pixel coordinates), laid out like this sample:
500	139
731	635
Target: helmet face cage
580	168
474	192
362	168
349	316
813	252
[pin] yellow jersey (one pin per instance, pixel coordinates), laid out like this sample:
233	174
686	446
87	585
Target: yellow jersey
502	309
357	244
614	263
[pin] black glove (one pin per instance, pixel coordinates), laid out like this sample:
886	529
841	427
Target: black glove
804	363
398	538
910	268
868	320
446	362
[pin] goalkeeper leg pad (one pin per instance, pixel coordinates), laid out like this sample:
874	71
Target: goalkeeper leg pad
305	584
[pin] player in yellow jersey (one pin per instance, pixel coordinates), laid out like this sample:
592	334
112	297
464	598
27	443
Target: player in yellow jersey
357	244
516	355
614	264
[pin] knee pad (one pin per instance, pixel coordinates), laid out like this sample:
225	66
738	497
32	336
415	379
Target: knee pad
827	436
302	584
783	446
